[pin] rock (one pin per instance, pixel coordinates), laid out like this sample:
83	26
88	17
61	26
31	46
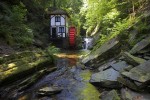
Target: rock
147	57
112	95
127	94
139	84
106	65
128	83
48	91
128	68
140	73
107	78
132	59
132	36
140	45
17	66
103	52
119	66
27	83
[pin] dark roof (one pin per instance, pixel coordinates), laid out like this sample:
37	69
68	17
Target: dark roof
59	12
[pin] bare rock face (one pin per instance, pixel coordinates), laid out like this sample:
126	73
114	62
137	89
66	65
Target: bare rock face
140	45
107	78
103	52
140	73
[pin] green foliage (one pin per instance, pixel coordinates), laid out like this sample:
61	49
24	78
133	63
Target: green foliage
114	18
51	50
13	27
95	10
79	42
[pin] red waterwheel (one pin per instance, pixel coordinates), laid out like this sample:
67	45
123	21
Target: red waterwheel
72	35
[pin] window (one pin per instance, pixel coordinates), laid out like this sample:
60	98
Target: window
57	19
61	30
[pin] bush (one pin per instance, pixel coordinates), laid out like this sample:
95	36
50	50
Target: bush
51	50
78	42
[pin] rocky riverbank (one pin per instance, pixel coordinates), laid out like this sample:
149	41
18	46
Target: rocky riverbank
126	74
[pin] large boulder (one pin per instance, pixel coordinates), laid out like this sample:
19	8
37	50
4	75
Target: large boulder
107	50
140	45
132	59
107	78
140	73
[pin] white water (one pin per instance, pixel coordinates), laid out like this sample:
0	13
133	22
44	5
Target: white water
88	43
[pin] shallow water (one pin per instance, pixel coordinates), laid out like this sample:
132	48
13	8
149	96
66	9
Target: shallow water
69	77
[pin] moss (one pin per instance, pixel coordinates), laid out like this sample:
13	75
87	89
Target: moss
21	64
86	75
16	56
89	92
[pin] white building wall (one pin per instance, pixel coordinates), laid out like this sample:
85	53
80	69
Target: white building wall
52	20
62	21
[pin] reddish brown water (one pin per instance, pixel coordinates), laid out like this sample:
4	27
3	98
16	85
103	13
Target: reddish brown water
71	56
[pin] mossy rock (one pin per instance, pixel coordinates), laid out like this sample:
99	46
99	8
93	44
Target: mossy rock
28	82
20	65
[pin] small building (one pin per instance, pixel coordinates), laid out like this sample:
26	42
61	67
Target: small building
58	24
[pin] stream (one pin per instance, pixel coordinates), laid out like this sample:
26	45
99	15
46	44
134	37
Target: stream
68	82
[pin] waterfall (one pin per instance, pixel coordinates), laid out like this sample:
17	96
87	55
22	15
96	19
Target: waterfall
87	43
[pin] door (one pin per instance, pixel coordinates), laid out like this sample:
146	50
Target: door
54	35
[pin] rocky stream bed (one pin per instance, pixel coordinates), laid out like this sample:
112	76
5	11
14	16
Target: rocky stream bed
105	74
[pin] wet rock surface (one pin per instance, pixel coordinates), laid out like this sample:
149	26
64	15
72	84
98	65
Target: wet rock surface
65	83
73	82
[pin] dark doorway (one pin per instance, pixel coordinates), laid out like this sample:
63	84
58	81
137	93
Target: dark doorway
54	32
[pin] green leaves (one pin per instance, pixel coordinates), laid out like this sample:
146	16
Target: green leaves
13	27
